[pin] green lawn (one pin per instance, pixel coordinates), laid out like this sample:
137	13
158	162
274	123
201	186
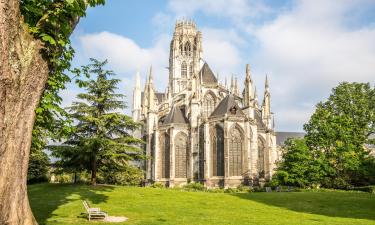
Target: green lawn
61	204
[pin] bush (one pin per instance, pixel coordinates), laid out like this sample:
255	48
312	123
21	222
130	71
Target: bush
157	185
216	190
130	176
194	187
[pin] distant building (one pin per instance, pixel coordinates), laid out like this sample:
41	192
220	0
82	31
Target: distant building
200	129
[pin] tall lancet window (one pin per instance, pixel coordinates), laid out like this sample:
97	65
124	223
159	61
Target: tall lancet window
181	155
208	105
235	152
187	48
183	70
218	151
261	149
191	70
164	149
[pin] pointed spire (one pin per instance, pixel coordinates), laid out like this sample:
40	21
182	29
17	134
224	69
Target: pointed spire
267	83
226	83
150	79
137	80
236	86
248	77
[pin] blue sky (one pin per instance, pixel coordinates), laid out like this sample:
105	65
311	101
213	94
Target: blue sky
306	47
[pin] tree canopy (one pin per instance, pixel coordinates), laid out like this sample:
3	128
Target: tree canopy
338	135
102	136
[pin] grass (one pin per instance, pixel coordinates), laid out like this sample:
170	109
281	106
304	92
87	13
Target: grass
58	204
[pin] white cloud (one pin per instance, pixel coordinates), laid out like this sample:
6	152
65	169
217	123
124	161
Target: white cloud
126	57
221	50
308	51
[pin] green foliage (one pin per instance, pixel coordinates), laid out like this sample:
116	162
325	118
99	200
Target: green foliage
52	22
132	176
338	132
38	167
298	166
157	185
102	138
194	186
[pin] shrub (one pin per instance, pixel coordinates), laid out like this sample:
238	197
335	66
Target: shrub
195	187
157	185
130	176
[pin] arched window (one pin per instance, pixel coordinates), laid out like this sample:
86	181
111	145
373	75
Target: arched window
187	48
235	152
208	105
183	70
201	152
261	149
181	46
181	155
165	154
191	70
218	151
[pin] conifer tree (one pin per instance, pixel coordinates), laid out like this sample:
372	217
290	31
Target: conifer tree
102	134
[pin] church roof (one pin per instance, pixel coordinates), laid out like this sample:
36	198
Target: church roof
175	116
228	105
207	75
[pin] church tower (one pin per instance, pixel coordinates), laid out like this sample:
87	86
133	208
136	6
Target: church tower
185	55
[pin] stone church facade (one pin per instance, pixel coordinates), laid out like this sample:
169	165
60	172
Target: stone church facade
199	129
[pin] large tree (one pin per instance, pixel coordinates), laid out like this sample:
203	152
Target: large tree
298	166
339	130
34	48
102	137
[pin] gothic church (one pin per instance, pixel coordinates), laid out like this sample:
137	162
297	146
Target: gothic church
200	130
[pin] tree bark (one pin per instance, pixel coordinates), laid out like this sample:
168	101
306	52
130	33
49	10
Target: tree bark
23	74
94	169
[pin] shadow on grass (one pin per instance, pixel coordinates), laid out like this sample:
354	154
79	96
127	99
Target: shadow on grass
46	198
332	204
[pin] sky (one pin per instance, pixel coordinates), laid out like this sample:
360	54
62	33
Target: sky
305	47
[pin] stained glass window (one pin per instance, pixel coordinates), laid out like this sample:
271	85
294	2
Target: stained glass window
181	155
235	152
218	152
261	149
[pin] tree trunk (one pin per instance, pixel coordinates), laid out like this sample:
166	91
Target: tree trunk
23	74
94	168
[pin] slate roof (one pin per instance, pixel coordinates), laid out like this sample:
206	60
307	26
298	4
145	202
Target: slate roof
226	105
281	137
175	116
207	75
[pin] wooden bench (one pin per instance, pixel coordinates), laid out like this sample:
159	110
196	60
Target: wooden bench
94	213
